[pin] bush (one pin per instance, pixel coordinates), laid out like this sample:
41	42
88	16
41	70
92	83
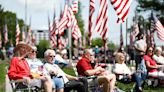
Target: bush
42	47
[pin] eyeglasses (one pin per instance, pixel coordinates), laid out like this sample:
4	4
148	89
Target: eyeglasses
34	51
51	56
150	50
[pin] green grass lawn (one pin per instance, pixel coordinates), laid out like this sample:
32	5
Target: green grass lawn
3	64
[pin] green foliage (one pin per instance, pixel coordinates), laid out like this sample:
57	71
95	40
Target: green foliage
98	42
155	5
10	19
111	46
42	47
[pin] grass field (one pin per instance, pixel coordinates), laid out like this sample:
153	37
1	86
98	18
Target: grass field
3	64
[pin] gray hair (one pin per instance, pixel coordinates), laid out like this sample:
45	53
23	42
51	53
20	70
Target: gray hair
49	51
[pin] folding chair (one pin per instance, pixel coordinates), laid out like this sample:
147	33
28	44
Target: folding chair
18	85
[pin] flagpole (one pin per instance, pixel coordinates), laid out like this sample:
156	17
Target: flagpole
126	38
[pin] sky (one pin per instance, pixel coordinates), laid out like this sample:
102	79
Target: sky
39	10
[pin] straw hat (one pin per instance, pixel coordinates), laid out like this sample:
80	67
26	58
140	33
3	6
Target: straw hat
22	48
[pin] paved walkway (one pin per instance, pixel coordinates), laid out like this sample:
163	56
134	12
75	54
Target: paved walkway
8	86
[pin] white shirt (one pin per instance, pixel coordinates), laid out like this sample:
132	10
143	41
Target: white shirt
122	68
158	59
36	66
140	44
54	67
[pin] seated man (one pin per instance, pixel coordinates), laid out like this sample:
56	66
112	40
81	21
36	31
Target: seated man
19	69
84	68
70	82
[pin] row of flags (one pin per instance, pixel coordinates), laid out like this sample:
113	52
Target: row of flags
30	39
67	20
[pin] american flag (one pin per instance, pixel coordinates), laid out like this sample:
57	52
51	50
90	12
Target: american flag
157	27
68	20
122	9
23	35
102	20
75	6
52	33
5	32
17	32
134	33
29	34
91	11
64	20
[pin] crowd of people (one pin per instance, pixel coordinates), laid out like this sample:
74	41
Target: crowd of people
47	73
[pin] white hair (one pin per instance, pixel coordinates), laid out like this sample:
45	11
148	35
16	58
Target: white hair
158	48
48	52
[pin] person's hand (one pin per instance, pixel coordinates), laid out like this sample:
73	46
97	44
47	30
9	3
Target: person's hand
27	79
54	73
44	78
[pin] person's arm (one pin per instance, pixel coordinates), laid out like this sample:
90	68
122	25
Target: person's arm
70	77
96	71
151	66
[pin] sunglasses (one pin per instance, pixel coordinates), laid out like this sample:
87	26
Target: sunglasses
34	51
51	56
150	50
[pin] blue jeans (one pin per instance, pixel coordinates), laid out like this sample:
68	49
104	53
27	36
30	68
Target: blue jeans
58	83
139	77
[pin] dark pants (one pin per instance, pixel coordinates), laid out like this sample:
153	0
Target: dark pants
138	59
80	85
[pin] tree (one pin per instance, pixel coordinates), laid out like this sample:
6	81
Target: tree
155	5
10	19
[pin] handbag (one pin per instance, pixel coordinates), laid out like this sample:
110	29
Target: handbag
126	79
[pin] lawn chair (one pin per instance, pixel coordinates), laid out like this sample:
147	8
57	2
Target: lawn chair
18	85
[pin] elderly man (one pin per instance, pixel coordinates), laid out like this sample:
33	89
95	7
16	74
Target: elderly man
84	68
70	82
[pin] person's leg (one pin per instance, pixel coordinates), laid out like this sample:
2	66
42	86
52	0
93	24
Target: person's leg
112	78
102	80
59	84
85	83
74	85
48	85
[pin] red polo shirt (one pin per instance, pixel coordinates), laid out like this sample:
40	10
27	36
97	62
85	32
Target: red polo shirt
151	61
83	65
18	69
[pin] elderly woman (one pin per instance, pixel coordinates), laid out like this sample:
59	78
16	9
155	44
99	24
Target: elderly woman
70	82
158	56
124	74
20	70
151	65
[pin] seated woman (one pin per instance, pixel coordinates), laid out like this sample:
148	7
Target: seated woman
70	82
151	65
124	74
20	70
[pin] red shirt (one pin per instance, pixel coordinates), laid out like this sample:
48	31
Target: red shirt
83	65
18	69
151	61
